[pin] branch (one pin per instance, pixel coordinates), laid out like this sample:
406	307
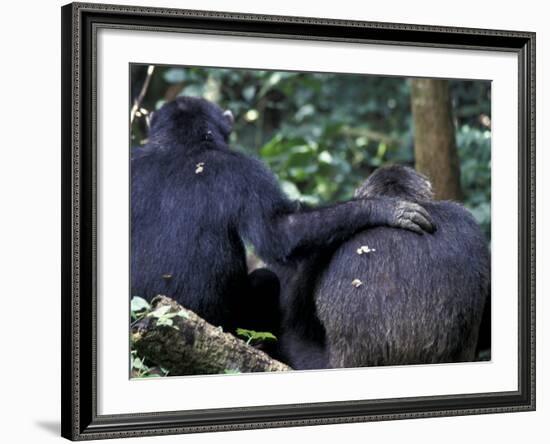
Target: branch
185	344
139	99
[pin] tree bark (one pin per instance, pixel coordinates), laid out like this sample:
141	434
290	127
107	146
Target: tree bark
191	346
434	137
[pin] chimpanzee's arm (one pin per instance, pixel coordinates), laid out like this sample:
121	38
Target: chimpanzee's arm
279	229
281	236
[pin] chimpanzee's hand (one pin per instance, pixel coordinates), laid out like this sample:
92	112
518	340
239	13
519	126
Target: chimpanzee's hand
408	215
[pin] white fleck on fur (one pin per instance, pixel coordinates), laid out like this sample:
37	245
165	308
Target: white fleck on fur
199	168
365	249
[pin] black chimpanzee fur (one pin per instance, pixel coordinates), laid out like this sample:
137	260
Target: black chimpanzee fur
194	202
412	299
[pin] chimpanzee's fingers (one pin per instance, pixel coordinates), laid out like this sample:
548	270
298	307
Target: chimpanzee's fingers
420	209
410	225
419	215
422	221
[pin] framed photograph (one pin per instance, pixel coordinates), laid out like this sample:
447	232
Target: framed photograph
279	221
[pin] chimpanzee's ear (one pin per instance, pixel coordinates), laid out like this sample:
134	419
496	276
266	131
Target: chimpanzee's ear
228	115
149	119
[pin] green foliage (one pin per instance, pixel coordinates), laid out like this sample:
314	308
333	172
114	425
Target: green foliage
474	150
138	307
322	134
256	336
165	317
139	368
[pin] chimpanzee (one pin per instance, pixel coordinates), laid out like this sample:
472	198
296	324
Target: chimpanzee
391	297
195	201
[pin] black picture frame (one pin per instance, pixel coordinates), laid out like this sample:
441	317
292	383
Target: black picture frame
79	386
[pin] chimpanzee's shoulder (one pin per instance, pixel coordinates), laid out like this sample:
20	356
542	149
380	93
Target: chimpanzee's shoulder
449	209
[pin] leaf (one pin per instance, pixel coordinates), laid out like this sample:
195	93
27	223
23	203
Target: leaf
290	189
248	93
174	75
165	321
256	335
305	112
138	304
244	332
326	157
160	312
265	335
183	314
195	90
138	364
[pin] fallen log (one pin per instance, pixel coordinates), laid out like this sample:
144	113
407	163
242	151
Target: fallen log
183	343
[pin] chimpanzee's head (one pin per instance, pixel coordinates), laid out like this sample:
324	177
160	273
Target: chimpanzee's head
396	181
188	121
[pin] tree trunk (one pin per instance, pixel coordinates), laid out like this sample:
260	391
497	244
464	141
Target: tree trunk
185	344
434	137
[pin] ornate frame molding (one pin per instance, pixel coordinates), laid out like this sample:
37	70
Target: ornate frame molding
79	395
